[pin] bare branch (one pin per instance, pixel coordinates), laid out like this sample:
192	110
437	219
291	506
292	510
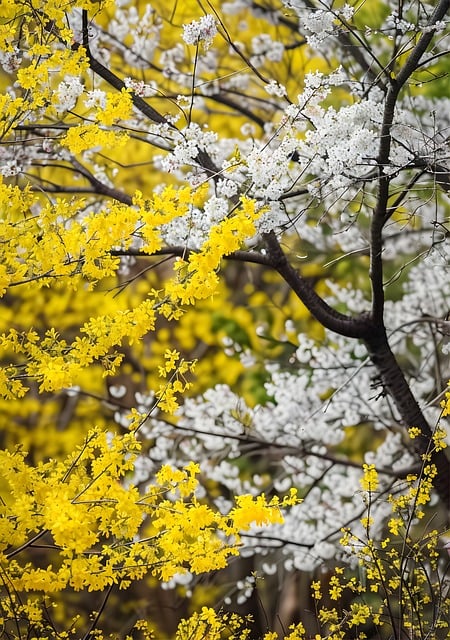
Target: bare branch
330	318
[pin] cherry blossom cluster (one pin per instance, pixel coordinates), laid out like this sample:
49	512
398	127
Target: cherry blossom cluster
200	31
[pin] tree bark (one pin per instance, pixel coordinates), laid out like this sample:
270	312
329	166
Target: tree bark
395	384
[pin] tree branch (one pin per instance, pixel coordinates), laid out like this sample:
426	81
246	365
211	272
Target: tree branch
140	104
439	171
101	188
330	318
380	212
252	257
107	75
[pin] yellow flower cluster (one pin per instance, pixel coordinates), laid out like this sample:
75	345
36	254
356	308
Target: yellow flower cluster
104	531
59	245
162	208
198	274
55	242
91	136
212	625
56	364
369	481
175	384
439	434
403	571
119	106
446	403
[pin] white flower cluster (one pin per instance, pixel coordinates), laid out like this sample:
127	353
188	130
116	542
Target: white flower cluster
343	143
423	142
200	31
95	99
275	217
394	23
144	31
319	25
264	48
346	12
317	88
10	168
18	158
68	92
335	147
439	26
268	168
227	188
171	59
426	295
192	229
275	89
191	140
140	88
10	61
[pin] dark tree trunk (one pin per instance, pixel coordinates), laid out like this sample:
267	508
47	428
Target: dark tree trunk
395	384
